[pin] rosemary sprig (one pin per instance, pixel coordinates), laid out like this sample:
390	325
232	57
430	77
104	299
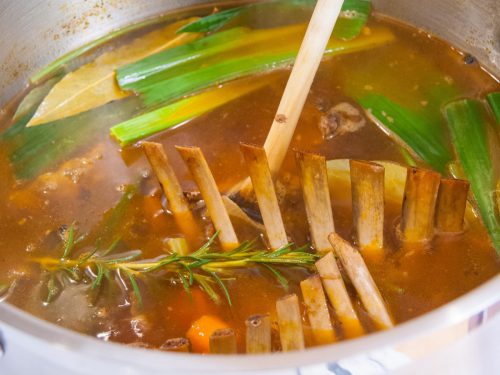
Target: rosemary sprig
203	267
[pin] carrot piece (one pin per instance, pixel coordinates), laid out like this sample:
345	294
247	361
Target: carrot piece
201	330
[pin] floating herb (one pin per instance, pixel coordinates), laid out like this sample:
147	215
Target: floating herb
33	99
53	288
203	267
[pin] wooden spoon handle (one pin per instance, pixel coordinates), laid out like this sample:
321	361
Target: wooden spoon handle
310	54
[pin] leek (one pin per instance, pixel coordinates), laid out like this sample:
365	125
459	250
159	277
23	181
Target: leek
212	22
149	70
469	127
494	102
160	66
180	86
35	150
217	21
188	83
420	133
352	19
179	112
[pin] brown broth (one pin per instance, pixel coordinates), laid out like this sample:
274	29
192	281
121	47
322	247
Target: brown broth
412	281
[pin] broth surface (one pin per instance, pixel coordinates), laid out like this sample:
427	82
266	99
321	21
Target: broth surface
92	180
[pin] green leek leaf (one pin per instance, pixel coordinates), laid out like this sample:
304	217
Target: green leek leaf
193	81
469	126
237	41
149	70
178	87
189	83
353	17
163	118
212	22
35	150
494	102
417	131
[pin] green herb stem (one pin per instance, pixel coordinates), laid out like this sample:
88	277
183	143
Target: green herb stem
201	266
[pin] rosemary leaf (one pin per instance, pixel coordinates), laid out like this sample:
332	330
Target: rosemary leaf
100	274
135	288
279	276
111	248
205	247
205	284
185	284
69	241
223	287
73	273
53	288
162	263
121	257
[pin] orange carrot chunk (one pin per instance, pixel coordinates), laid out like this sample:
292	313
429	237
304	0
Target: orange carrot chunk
201	330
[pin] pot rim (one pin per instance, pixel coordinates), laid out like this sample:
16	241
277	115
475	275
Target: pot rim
70	342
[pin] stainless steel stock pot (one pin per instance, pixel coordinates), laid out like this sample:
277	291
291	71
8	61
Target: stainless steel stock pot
35	32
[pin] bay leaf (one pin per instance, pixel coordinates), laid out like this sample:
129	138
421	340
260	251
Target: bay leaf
34	98
94	84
